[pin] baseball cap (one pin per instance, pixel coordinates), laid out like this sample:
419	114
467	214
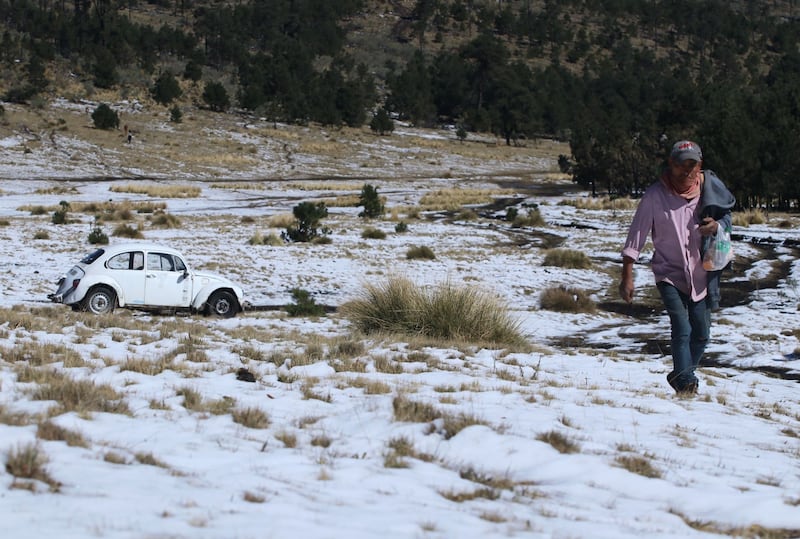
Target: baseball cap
686	149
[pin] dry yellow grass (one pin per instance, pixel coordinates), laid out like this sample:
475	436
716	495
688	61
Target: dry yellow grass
158	190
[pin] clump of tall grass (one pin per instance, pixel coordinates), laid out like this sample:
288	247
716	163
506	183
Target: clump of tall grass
566	258
270	239
420	252
532	217
601	203
409	410
372	233
567	300
29	462
165	220
79	395
749	217
157	190
127	231
466	314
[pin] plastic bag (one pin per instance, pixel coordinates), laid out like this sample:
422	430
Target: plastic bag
719	252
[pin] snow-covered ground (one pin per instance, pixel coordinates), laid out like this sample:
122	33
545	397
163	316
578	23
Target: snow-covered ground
333	460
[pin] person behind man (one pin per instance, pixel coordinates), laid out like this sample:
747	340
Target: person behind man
682	211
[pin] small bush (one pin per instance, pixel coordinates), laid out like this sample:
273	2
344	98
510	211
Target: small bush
60	215
306	227
98	237
304	304
567	300
567	258
105	118
371	233
41	235
420	252
401	227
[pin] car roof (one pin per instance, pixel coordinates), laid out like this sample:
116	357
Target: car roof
139	246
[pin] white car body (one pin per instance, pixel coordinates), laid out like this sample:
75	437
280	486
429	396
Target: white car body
146	276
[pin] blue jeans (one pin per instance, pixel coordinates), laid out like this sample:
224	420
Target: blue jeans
691	323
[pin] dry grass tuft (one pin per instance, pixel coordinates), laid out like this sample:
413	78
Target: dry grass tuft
749	217
47	430
156	190
454	199
420	252
417	412
28	462
252	418
80	396
638	465
567	300
566	258
602	203
560	442
464	314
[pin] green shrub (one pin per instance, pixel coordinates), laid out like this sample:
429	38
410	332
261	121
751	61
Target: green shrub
175	115
567	258
306	227
420	251
445	312
165	89
216	97
105	118
373	207
381	123
567	300
98	237
304	304
401	227
60	215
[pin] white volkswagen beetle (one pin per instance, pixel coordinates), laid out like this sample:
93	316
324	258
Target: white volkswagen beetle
145	276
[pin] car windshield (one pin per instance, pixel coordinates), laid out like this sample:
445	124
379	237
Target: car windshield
91	257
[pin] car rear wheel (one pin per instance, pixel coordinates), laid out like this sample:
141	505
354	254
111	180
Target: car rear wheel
223	304
100	300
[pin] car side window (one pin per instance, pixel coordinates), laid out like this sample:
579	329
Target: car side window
160	262
126	261
179	265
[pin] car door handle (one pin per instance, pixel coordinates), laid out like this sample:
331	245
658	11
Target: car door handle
151	275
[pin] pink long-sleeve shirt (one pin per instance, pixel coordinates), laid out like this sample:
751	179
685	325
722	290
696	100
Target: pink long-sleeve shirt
674	224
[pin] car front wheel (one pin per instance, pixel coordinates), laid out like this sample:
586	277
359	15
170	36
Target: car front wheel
223	304
100	300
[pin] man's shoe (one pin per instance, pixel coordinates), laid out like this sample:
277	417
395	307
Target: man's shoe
688	390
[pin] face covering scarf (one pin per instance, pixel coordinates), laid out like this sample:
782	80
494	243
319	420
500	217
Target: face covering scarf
684	185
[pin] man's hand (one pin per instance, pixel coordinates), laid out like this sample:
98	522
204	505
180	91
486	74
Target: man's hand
626	290
626	283
708	227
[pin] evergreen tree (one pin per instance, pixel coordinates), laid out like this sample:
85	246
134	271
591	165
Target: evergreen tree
216	97
381	122
166	88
